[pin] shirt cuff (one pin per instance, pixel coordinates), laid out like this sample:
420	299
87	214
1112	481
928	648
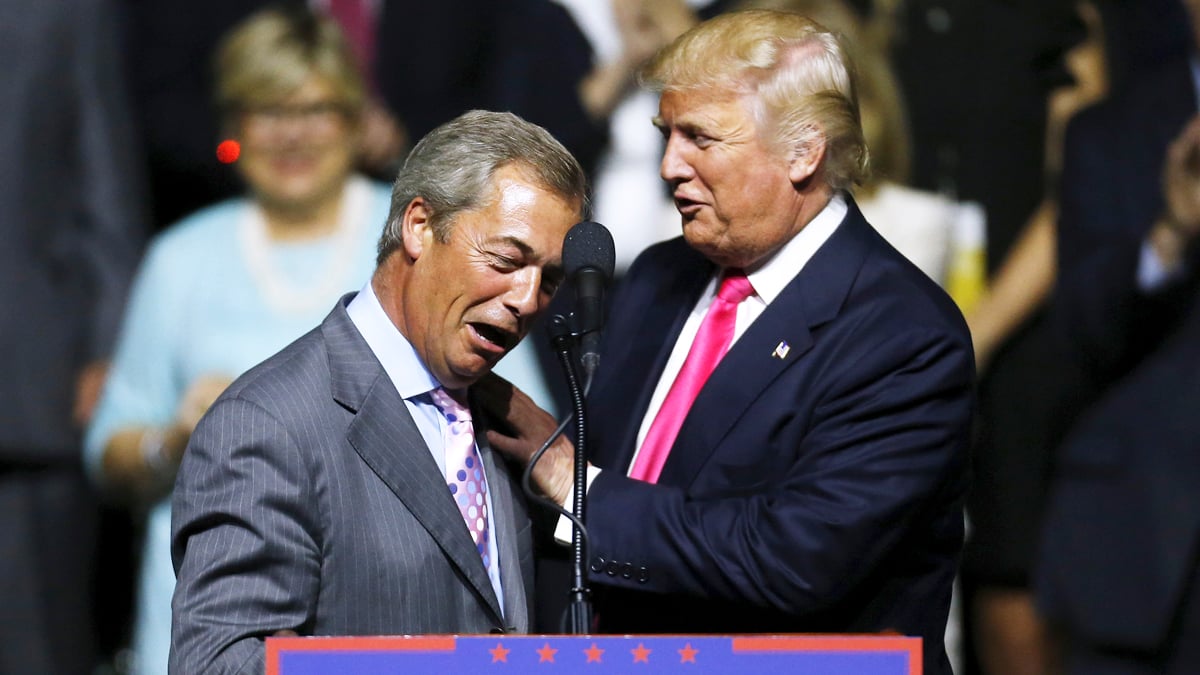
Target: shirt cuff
1152	274
562	531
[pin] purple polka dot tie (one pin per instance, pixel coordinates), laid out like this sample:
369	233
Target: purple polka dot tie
464	471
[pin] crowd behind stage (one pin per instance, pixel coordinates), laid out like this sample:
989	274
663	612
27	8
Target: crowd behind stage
1040	159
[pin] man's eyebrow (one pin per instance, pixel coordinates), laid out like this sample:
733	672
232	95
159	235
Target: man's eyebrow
687	126
515	242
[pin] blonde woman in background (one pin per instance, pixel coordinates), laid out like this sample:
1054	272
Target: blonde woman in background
231	284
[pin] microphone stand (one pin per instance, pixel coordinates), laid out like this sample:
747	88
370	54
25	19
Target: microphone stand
579	606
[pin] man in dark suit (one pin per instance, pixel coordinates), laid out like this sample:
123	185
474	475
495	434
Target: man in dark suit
1117	569
815	482
70	232
321	494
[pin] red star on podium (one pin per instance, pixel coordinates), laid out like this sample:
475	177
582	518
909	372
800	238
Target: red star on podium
641	654
546	653
593	654
499	653
687	654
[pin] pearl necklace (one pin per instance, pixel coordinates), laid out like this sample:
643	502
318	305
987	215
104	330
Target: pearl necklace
281	293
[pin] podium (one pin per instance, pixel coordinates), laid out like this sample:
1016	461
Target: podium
596	655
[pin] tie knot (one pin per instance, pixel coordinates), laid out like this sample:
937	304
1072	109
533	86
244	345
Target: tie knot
735	287
450	405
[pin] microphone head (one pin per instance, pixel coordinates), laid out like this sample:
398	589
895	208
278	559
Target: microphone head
589	244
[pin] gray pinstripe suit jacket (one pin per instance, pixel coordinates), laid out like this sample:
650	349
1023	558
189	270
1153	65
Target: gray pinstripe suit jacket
308	501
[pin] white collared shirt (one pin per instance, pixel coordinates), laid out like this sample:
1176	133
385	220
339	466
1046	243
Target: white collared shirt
768	281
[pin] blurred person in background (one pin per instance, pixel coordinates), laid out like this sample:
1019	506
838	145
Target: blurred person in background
170	45
978	78
1011	479
1117	575
71	227
229	285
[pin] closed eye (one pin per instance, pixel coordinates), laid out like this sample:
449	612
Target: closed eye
504	263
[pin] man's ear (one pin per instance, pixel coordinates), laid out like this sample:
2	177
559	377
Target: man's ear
807	159
416	228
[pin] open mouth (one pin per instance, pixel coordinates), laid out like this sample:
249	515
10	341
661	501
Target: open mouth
501	339
685	205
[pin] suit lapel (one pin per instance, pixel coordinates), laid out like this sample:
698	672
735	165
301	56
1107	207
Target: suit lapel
774	343
388	441
507	512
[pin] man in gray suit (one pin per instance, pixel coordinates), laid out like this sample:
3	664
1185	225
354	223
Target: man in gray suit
320	494
70	234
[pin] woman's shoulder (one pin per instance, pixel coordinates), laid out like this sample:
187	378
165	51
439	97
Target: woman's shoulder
895	196
380	193
209	228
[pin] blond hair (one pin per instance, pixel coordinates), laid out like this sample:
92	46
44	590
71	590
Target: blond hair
273	53
880	103
799	74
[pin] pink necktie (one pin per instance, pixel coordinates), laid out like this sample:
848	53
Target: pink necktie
711	343
464	471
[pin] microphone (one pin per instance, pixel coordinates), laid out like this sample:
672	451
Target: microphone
588	259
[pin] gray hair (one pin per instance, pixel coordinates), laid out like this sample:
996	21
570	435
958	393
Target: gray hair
451	168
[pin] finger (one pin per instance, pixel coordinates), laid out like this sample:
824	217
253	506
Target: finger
509	445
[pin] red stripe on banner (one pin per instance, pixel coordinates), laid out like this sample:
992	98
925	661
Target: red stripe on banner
837	643
277	645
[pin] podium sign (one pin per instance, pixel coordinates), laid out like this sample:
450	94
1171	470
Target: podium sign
596	655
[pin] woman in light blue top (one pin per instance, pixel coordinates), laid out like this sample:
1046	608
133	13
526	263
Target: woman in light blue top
230	285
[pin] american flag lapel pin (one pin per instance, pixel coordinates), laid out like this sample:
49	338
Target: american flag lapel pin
781	350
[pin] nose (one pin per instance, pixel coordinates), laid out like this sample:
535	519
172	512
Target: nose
291	128
674	168
524	295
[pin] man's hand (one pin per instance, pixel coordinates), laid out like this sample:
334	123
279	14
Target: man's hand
88	386
198	398
1180	222
524	428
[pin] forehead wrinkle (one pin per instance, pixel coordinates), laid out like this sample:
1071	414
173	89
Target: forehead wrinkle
512	240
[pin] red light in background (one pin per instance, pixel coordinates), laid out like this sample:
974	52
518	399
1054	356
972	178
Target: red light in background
228	151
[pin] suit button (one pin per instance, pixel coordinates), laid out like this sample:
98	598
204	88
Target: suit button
612	568
597	564
643	575
627	571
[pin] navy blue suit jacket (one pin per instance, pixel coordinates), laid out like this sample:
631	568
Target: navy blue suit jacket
820	491
1121	530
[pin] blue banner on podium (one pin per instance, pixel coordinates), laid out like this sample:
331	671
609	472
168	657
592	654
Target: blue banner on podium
596	655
